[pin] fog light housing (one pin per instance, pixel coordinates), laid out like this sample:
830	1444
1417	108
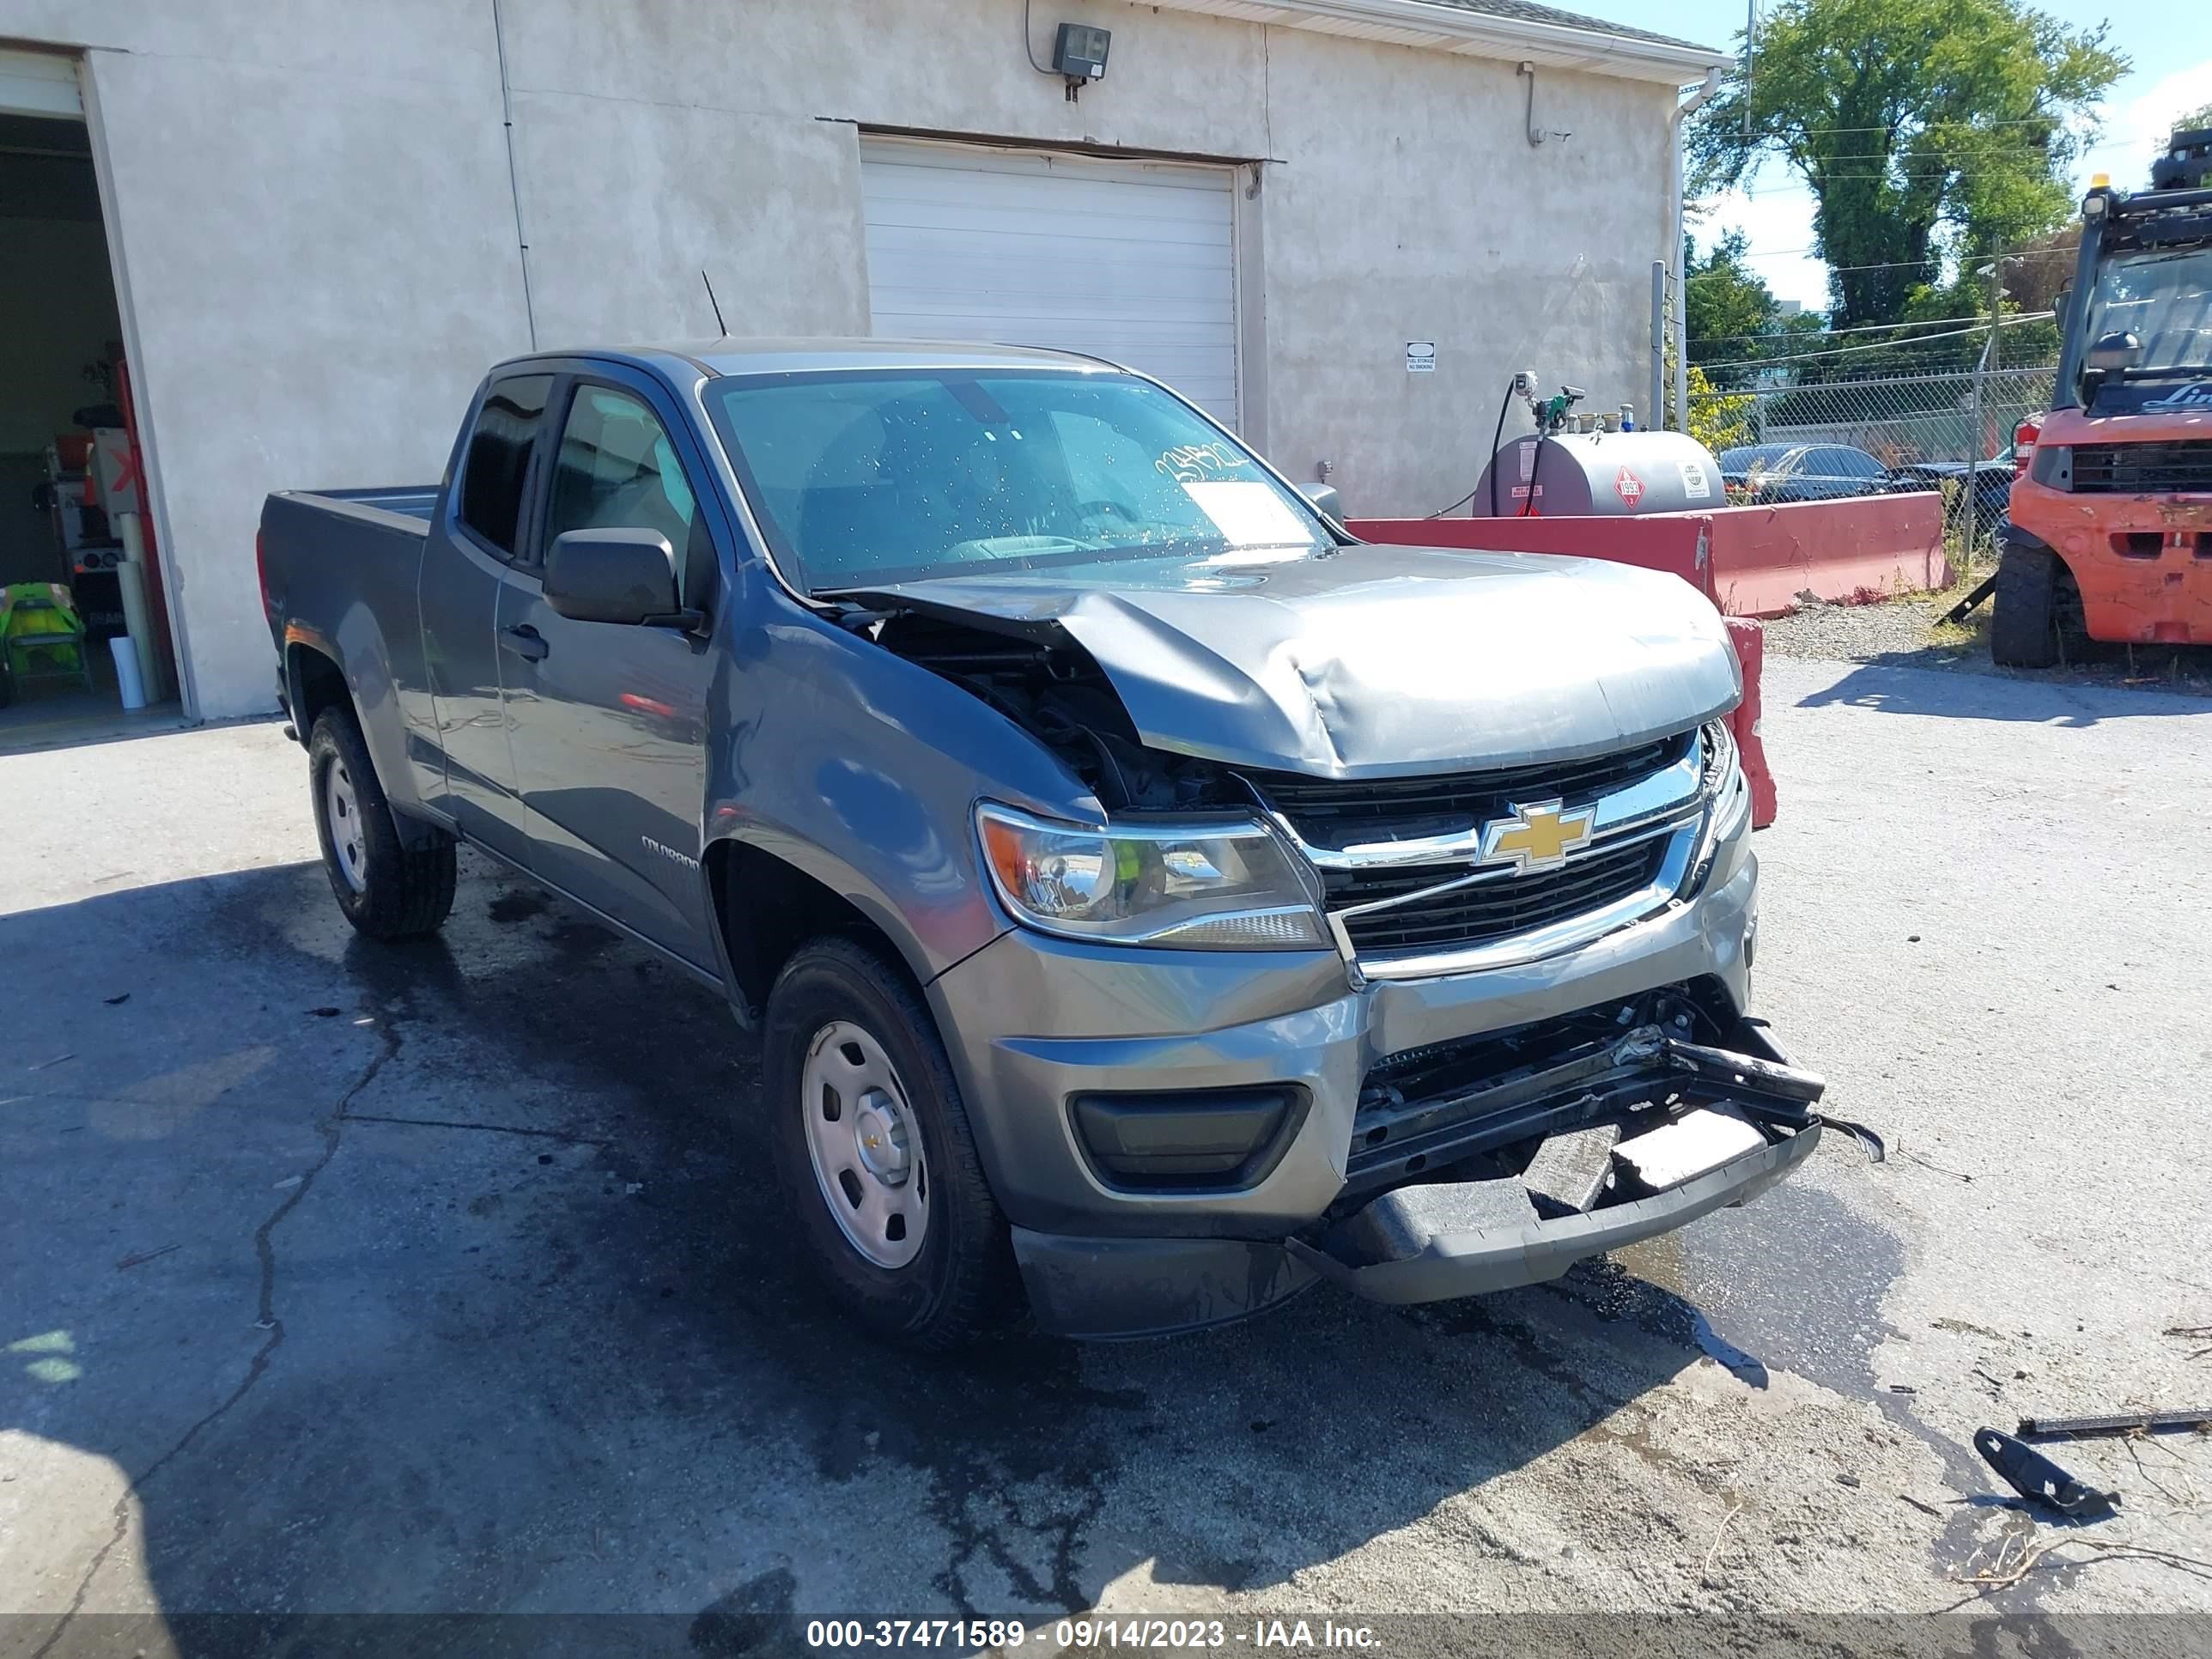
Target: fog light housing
1187	1140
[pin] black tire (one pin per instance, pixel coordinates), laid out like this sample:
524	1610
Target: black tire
406	891
962	1284
2025	618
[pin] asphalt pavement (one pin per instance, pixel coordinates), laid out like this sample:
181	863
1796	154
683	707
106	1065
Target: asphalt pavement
337	1278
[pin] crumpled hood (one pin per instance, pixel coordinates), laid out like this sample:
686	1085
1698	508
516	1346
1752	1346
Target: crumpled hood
1372	661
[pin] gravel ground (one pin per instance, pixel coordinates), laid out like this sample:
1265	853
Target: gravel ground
1859	632
1910	633
339	1278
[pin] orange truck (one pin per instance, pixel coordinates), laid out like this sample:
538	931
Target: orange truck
2110	532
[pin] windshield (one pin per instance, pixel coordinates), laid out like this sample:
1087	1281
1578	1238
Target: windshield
2164	299
862	479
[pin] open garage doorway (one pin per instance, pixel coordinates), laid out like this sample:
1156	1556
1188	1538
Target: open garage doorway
78	568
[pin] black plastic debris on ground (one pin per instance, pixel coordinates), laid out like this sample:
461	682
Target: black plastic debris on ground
2039	1480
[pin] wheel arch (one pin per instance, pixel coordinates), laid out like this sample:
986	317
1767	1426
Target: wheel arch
766	905
313	682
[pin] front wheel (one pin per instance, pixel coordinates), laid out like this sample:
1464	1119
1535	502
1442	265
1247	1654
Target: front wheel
2030	610
873	1149
387	888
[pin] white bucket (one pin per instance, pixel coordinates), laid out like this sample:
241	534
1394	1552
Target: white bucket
126	672
131	578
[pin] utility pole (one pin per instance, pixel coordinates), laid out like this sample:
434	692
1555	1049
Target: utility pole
1655	419
1750	58
1971	508
1996	306
1975	401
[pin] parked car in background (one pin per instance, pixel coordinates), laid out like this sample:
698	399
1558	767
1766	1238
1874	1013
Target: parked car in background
1764	474
1993	485
1148	895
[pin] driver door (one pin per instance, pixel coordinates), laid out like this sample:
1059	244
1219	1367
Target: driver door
608	721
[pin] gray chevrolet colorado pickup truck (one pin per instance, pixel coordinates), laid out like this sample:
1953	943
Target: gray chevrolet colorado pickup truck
1149	898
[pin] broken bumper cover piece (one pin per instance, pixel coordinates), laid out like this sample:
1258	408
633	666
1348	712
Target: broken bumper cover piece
1442	1263
1436	1239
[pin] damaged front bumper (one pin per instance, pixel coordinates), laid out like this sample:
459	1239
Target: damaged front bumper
1475	1224
1432	1241
1311	1101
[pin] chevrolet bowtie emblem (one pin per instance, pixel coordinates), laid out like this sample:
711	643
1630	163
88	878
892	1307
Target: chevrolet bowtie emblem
1538	837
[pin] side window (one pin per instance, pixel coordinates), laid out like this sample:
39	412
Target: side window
498	458
618	470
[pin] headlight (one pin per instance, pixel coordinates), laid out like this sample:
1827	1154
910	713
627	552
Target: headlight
1215	886
1727	800
1722	760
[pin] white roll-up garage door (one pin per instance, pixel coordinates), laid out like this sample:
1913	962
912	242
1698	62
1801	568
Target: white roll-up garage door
1131	261
38	83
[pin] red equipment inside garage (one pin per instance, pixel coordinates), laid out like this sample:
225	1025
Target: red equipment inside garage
77	567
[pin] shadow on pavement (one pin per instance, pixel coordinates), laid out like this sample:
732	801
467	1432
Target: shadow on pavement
1901	683
450	1277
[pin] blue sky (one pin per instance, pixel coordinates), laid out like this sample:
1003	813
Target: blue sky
2168	44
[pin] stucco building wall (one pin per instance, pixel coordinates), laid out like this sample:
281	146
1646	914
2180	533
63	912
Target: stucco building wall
315	221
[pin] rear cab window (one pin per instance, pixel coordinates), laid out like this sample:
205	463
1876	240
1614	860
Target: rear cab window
616	469
496	466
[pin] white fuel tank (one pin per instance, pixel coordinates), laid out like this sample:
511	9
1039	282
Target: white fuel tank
1610	474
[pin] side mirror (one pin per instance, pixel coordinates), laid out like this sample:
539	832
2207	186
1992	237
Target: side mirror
612	576
2113	353
1325	499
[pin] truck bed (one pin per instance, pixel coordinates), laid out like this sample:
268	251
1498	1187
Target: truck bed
414	501
340	567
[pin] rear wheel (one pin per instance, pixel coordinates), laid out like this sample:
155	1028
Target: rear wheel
873	1146
387	889
2034	605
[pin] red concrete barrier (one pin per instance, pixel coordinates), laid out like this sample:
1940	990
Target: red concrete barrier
1750	642
1683	543
1749	561
1662	541
1868	546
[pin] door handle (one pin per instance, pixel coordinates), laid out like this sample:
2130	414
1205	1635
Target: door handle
524	641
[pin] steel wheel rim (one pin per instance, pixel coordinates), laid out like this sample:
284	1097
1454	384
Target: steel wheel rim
865	1146
342	810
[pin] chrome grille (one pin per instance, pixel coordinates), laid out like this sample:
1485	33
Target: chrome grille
1337	813
1483	912
1406	892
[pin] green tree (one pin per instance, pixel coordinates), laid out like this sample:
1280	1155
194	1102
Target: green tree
1718	420
1725	306
1924	128
2035	272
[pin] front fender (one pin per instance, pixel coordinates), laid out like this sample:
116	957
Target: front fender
863	770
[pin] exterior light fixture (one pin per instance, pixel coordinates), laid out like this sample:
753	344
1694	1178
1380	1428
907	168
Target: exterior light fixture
1079	54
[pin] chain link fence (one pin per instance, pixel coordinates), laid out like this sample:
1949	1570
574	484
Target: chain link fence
1950	432
1819	420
